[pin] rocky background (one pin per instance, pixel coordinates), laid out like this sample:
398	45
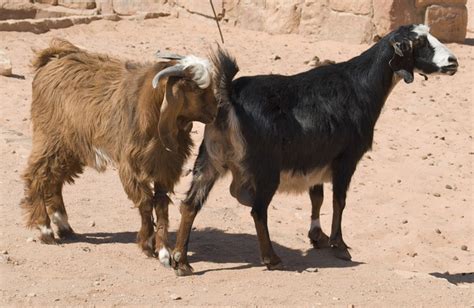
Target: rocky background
354	21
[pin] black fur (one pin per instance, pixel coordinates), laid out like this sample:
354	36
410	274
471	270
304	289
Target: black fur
321	117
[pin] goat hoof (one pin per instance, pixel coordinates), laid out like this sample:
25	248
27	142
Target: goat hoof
342	253
164	256
273	263
318	238
66	233
183	269
48	239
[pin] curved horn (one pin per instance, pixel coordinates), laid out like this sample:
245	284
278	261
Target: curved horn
168	55
175	70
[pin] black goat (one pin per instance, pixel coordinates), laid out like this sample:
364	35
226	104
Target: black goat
293	133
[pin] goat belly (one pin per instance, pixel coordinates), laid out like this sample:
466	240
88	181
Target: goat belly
299	182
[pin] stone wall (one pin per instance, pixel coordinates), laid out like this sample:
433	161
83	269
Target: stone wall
354	21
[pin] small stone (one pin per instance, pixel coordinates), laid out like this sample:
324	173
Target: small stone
351	306
437	195
4	252
92	224
455	258
277	57
30	240
97	283
311	270
404	221
175	297
413	254
399	181
463	247
13	152
448	186
335	298
438	231
424	157
86	249
31	295
56	299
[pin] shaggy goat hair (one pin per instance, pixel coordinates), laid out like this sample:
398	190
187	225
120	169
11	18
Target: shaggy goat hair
294	133
93	110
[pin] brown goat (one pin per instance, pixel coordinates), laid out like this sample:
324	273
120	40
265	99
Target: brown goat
92	110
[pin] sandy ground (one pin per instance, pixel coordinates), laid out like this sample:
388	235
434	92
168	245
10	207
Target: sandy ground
418	179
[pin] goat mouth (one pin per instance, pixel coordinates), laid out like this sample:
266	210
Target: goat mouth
449	69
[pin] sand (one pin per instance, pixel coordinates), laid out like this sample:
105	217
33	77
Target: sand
409	208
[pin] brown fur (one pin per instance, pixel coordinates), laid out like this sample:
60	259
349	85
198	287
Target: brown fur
92	110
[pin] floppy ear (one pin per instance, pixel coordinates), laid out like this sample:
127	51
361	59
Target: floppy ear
173	101
402	62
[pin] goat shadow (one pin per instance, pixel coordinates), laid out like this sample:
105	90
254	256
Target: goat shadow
216	246
455	278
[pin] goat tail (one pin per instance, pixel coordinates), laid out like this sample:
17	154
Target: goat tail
225	69
57	48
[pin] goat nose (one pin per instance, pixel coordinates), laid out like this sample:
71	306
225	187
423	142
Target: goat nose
453	61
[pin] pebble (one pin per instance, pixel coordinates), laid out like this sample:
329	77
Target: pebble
455	258
86	249
175	297
31	295
463	247
97	283
448	186
311	270
277	57
30	240
437	195
438	231
404	221
335	298
56	299
92	224
412	254
4	252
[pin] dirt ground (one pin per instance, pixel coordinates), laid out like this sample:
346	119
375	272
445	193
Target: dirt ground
409	209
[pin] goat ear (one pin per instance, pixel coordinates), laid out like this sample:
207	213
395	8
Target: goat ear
171	106
402	62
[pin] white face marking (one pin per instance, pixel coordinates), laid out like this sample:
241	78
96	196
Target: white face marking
164	257
101	159
60	220
291	182
201	69
315	224
441	52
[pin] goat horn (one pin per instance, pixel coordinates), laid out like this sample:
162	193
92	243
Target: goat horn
175	70
168	56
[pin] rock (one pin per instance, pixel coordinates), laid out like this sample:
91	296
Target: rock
311	270
438	231
30	240
437	195
448	24
390	14
413	254
175	297
5	64
463	247
96	283
86	249
347	27
4	252
277	57
448	186
425	3
31	295
105	6
78	4
361	7
50	2
92	223
404	221
455	258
